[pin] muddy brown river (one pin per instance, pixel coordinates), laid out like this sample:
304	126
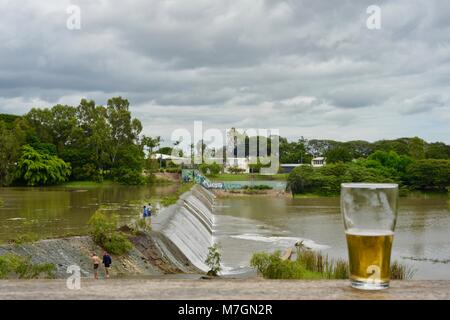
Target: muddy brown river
243	225
248	224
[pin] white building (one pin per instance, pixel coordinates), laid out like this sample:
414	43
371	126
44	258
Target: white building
161	156
318	162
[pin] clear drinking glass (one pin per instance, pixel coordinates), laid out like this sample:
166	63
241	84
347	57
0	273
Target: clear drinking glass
369	211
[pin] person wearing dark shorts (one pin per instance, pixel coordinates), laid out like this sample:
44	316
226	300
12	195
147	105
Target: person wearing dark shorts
149	210
107	261
96	263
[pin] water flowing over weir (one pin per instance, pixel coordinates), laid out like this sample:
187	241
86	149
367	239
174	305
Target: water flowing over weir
189	224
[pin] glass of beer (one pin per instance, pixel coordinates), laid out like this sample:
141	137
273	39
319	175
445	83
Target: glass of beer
369	211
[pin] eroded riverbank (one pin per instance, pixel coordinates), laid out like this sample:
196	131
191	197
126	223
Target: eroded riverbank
152	255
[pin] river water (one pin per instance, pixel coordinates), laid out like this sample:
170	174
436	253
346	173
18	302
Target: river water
57	211
243	225
249	224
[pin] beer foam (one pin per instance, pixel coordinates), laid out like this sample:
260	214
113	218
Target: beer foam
369	232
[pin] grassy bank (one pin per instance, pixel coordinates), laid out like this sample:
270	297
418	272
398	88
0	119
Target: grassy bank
173	198
108	183
13	266
88	184
248	177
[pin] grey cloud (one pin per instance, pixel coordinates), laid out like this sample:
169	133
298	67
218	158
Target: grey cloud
236	63
423	103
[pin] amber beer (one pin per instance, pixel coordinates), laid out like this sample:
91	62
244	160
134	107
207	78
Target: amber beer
369	211
369	254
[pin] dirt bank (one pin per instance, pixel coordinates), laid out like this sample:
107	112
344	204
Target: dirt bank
172	177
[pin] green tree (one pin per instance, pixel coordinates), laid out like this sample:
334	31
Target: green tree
124	129
359	148
338	154
293	152
9	152
400	146
129	165
417	148
9	120
429	174
391	160
126	154
301	180
437	150
151	143
35	168
89	152
165	150
321	147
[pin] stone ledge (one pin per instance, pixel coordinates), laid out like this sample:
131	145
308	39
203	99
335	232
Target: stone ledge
154	289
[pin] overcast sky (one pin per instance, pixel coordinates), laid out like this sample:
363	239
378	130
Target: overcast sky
308	68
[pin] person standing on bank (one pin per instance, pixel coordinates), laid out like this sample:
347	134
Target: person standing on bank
150	209
96	263
145	212
107	261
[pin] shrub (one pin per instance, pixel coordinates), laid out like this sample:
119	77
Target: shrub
235	170
215	168
25	238
271	266
36	168
173	170
204	168
258	187
117	243
213	260
12	266
300	180
212	169
128	176
401	272
141	225
104	233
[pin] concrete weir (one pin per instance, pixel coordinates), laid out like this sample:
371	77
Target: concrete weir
178	243
189	225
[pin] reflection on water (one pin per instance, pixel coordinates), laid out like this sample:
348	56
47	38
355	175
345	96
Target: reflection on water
57	211
423	229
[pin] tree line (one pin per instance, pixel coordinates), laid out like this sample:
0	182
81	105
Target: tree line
302	151
84	142
379	167
95	142
411	162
